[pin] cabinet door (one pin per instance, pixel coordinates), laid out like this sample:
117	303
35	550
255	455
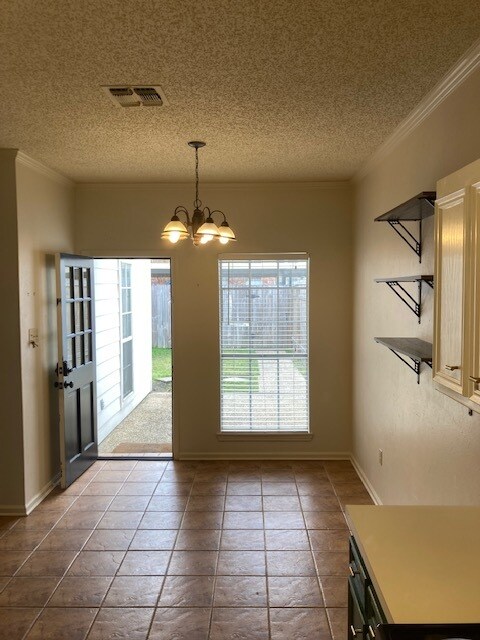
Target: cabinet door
474	369
450	263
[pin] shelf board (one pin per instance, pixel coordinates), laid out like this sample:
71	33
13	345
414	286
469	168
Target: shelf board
417	208
428	279
416	349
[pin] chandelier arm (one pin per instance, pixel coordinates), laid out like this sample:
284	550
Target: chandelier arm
182	209
221	212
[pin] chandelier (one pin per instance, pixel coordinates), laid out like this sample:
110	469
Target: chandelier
202	227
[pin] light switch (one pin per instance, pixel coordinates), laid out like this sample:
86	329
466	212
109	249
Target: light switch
33	337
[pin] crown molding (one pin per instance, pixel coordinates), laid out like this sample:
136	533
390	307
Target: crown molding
8	152
215	186
27	161
462	69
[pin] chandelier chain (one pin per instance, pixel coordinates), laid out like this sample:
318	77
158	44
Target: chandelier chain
197	203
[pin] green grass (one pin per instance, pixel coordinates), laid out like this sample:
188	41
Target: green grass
161	363
234	368
239	368
300	365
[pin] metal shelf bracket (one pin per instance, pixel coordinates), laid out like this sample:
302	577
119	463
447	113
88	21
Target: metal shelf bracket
413	304
417	351
419	207
414	243
415	367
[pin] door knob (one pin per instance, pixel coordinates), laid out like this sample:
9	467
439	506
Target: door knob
66	368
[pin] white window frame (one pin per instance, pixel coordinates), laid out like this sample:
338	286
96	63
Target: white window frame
269	434
125	398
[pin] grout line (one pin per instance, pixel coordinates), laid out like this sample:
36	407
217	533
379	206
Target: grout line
32	623
267	588
197	473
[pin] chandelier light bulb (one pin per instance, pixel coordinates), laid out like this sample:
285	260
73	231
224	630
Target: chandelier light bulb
223	240
174	236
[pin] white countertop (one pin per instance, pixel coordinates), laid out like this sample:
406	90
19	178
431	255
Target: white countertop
424	562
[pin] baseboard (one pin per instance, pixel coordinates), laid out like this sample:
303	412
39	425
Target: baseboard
42	494
13	510
368	485
300	455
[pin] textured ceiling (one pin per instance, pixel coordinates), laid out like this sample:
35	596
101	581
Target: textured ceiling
279	89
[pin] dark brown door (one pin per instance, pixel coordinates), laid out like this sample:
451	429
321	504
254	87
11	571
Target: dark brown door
76	366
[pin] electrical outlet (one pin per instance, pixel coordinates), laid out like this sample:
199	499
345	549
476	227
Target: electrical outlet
380	456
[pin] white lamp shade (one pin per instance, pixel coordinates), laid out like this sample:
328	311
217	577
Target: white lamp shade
226	233
208	229
175	229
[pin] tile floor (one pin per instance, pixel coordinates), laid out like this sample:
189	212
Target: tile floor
183	550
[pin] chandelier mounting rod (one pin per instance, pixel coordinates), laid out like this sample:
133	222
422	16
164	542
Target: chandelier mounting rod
196	144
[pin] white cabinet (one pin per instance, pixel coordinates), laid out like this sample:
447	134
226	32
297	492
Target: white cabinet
456	345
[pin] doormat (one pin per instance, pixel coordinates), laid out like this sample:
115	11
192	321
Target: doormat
141	447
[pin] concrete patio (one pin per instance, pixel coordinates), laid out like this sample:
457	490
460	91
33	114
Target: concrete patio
147	430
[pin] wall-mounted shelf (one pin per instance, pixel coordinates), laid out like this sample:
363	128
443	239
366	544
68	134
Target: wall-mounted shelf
417	350
400	291
416	209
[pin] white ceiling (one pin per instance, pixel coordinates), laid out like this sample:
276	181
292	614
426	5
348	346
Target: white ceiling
280	89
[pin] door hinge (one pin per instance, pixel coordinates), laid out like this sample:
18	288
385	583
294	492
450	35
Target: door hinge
58	301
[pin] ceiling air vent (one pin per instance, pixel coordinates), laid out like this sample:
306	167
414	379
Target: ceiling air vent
149	96
136	96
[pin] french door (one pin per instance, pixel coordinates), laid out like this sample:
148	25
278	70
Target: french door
75	371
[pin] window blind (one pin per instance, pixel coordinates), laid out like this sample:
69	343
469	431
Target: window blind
264	344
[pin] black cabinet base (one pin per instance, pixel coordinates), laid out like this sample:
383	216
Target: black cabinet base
429	631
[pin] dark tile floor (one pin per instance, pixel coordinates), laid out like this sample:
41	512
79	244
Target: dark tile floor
174	550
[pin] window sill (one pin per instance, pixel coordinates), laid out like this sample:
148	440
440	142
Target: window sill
264	435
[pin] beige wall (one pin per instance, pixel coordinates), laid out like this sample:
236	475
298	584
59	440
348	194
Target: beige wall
11	437
431	446
45	207
126	220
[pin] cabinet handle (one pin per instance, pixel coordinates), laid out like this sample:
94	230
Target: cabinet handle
371	631
452	367
352	572
354	631
474	379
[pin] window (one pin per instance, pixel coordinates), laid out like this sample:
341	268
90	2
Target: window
264	344
126	328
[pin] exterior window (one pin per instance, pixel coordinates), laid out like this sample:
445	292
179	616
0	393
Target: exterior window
264	344
126	328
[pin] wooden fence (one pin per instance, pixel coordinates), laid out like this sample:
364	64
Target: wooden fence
259	318
263	318
161	315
